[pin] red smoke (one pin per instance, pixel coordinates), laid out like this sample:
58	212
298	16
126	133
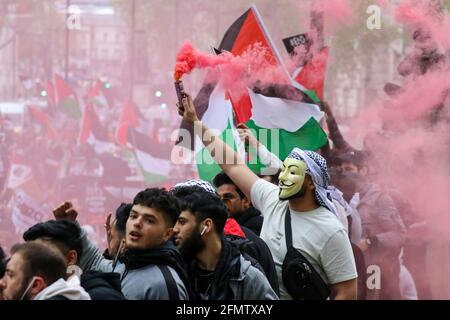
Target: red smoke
410	153
188	59
236	73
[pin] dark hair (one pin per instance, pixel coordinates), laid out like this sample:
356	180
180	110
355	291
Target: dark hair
41	260
207	205
60	232
222	178
161	200
2	262
122	214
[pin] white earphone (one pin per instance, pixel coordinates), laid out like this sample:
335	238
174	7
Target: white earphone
203	230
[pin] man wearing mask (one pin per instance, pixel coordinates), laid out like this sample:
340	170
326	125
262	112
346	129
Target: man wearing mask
318	235
36	271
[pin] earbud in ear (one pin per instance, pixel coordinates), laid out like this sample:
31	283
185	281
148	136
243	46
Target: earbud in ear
203	230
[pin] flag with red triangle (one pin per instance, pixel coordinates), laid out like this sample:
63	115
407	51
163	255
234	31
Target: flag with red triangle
152	157
312	74
287	120
94	133
51	95
96	96
66	98
128	119
44	120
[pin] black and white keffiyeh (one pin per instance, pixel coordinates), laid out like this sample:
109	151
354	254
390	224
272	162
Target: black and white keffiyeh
205	185
316	167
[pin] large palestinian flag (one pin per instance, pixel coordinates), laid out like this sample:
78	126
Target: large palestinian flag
283	115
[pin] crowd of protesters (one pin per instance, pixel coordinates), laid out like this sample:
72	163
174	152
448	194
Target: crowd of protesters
228	240
319	228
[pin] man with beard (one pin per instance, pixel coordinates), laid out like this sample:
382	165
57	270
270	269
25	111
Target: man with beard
66	236
252	247
36	271
217	270
302	193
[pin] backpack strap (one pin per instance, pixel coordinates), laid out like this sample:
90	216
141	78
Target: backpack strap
288	228
170	283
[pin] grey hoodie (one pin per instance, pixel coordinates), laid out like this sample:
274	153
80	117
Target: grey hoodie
146	283
251	284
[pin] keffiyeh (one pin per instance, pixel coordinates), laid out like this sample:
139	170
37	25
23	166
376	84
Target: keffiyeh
205	185
317	170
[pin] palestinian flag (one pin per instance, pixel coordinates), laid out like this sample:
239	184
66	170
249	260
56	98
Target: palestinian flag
216	112
280	119
96	96
43	120
152	157
93	133
283	118
128	119
282	112
66	99
51	95
246	31
312	74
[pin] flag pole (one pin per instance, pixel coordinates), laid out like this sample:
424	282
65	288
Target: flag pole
269	39
66	70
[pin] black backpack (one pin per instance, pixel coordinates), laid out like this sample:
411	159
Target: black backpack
300	278
245	247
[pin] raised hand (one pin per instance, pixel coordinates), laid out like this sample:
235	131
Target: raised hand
187	110
66	211
247	136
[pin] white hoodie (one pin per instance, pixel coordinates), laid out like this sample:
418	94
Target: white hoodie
62	288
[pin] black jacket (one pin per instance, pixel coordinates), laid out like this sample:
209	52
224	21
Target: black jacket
228	267
251	219
102	285
259	250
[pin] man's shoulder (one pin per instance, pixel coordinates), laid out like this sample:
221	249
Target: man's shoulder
149	276
151	270
264	188
266	185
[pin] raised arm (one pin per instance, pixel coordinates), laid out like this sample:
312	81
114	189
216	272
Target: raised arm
226	157
91	257
267	158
